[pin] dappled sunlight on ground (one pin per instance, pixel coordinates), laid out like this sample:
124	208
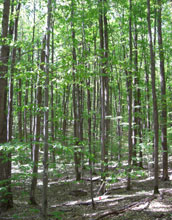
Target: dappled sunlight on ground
72	199
159	206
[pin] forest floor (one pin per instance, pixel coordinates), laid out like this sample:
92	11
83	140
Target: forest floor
68	199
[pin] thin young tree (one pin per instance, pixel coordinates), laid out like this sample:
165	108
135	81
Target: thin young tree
46	112
163	95
76	100
129	97
155	107
104	80
90	141
13	32
37	129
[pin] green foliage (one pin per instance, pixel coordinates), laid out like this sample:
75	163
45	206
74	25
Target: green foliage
57	215
34	210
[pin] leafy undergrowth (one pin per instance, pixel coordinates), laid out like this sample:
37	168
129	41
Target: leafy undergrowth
68	199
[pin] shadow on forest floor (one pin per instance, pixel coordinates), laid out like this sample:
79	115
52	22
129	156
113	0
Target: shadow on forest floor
69	199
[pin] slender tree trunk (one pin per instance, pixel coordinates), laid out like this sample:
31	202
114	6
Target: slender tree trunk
136	100
13	28
32	83
107	105
20	136
77	158
155	107
90	141
65	110
119	112
94	102
6	200
163	97
52	97
102	96
37	130
129	88
25	111
104	80
46	98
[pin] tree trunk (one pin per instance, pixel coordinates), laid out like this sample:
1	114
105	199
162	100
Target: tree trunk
163	97
20	135
6	200
129	91
13	28
90	141
136	106
52	96
77	155
155	108
104	80
46	98
37	130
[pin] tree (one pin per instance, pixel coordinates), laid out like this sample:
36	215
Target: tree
104	83
155	107
6	201
163	96
76	101
37	128
46	105
129	97
13	28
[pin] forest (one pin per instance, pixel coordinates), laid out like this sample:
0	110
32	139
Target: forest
85	109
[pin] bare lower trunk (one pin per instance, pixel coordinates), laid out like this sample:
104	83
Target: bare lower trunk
90	141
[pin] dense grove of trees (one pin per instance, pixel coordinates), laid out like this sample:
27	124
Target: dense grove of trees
91	77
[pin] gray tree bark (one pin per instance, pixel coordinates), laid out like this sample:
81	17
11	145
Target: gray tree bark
46	111
37	130
163	96
6	200
155	107
129	97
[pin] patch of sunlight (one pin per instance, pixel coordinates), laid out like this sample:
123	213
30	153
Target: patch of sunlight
112	204
140	207
71	203
53	183
40	183
20	202
61	181
113	164
91	215
158	206
144	180
67	180
78	202
145	193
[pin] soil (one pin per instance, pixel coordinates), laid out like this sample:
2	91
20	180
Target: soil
68	199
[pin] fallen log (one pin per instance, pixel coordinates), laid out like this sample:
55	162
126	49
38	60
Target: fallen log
126	208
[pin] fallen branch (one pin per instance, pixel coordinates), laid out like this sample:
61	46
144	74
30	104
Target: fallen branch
115	188
97	200
126	208
93	180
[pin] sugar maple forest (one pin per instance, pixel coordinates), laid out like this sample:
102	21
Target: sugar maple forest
85	109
